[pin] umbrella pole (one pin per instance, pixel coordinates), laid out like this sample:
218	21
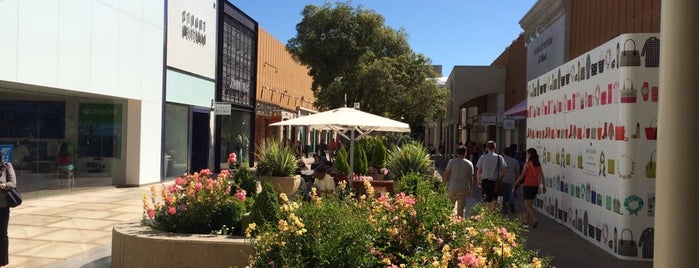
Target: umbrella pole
351	175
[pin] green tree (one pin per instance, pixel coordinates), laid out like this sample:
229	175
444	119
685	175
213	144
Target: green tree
351	52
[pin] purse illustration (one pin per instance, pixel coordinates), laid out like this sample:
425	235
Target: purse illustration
650	167
630	57
628	94
627	247
651	131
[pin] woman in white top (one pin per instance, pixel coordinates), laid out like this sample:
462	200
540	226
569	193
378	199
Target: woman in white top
323	183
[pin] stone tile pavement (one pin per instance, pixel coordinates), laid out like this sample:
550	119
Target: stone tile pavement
56	231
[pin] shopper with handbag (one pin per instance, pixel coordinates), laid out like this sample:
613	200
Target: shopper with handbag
488	171
7	182
531	178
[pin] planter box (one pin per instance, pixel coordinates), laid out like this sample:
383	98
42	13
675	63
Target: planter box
287	185
136	245
379	186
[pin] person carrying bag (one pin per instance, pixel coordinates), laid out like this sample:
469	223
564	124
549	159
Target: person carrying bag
8	181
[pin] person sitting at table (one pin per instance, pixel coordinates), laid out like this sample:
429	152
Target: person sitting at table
65	161
22	157
323	182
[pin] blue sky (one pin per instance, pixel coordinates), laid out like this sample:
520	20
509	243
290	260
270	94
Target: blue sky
449	32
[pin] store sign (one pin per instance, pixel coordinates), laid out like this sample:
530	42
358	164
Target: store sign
222	108
545	51
191	34
489	120
193	28
508	124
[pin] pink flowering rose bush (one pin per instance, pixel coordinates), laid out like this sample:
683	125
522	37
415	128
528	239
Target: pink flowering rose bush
403	230
197	203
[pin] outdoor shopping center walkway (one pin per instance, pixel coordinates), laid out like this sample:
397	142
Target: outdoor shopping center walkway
74	230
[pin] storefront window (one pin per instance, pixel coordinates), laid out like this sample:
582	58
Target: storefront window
59	143
235	136
176	140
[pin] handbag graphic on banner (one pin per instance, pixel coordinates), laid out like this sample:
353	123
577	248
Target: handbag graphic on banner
651	51
628	93
630	57
650	167
627	247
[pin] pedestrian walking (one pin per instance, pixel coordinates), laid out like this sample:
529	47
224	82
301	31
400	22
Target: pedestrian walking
488	171
458	177
531	179
509	178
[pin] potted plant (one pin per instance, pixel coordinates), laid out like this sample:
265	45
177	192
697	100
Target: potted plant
276	165
411	157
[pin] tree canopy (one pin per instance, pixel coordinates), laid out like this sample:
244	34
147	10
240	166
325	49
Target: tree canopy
349	51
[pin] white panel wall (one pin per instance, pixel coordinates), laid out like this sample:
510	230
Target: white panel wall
37	50
143	146
152	57
105	50
8	46
74	63
108	47
130	57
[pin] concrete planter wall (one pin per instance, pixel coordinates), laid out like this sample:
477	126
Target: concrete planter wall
135	245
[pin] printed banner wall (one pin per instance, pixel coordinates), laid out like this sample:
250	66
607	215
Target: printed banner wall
593	121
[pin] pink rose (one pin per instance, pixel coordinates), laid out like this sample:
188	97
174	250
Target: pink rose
151	213
232	159
172	188
240	194
469	260
172	211
179	181
198	186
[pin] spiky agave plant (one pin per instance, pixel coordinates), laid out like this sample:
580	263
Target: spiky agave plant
411	157
275	159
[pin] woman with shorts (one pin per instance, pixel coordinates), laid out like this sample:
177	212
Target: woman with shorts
532	176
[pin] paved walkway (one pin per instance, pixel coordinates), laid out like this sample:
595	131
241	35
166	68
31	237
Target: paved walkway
71	230
75	231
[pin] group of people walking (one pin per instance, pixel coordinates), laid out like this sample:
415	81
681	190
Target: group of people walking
460	175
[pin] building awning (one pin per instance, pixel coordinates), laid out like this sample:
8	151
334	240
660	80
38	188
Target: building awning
518	110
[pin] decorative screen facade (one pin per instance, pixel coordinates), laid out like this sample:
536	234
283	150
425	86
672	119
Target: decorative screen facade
238	54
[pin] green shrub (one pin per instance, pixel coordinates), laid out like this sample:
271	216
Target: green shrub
360	160
341	162
378	154
411	157
275	159
245	179
266	208
401	230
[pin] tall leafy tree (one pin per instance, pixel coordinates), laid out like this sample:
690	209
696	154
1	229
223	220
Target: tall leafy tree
350	52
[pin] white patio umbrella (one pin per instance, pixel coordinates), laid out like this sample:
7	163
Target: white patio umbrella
345	118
